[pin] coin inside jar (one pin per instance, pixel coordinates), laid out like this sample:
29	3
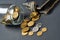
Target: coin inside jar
24	33
15	15
33	14
44	29
25	29
30	33
23	24
35	18
16	9
39	33
31	23
7	17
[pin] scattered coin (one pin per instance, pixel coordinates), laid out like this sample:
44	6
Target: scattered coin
26	20
15	15
25	29
39	33
35	29
23	24
35	18
24	33
33	14
30	33
44	29
31	23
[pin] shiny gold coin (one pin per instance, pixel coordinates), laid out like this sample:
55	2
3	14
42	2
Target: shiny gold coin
24	33
23	24
33	14
17	9
30	33
26	20
31	23
39	33
25	29
15	15
44	29
35	18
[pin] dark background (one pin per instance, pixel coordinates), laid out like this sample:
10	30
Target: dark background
52	22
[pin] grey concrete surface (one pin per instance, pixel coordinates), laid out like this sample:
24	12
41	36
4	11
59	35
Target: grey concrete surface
52	22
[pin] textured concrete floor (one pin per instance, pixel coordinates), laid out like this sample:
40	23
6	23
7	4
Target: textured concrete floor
52	21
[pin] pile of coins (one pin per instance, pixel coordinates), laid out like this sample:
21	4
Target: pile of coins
11	15
28	23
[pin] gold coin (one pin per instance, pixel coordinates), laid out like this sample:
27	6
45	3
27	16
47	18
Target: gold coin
26	20
25	29
39	33
17	9
44	29
15	15
24	24
24	33
33	14
31	23
35	18
30	33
